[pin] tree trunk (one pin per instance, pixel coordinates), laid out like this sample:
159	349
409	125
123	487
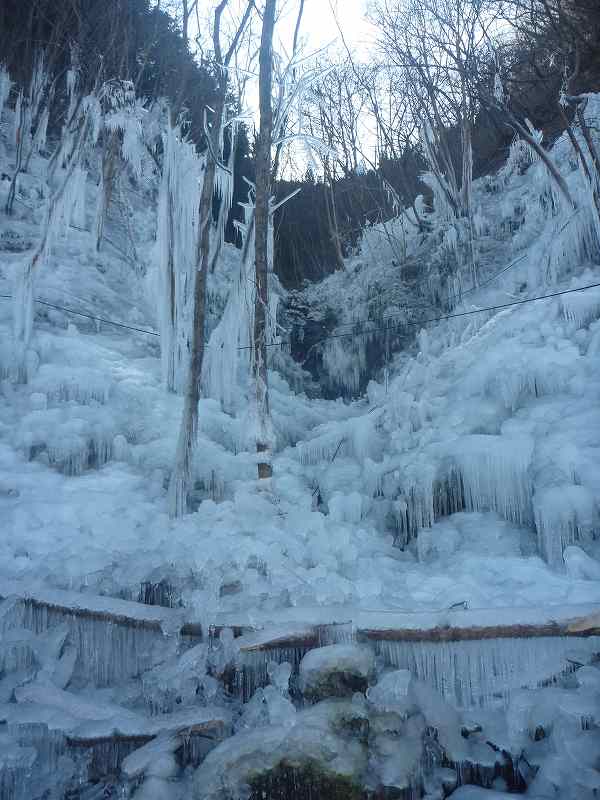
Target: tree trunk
107	183
263	191
552	169
335	231
21	135
332	226
180	485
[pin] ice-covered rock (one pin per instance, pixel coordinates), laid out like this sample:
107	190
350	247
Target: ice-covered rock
338	670
581	566
267	707
322	754
392	693
397	758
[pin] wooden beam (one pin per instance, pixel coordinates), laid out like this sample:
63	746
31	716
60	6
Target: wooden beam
114	611
577	621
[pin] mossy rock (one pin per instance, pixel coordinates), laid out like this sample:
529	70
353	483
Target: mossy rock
306	782
339	670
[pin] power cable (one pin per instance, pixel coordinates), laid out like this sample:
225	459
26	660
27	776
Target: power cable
351	334
457	298
453	316
88	316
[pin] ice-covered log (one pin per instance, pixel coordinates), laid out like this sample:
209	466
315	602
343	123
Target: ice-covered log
448	625
472	657
478	658
288	642
114	639
107	733
501	623
193	733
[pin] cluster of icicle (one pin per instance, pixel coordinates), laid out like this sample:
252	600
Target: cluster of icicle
108	107
177	233
234	330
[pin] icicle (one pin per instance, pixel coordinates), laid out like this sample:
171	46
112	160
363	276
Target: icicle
223	358
81	385
54	220
582	308
495	477
176	250
564	515
108	651
485	672
5	87
18	122
224	189
78	198
39	142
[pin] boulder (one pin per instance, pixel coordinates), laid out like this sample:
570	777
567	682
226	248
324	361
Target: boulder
322	756
338	670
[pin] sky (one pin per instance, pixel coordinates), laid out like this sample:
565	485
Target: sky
319	27
319	30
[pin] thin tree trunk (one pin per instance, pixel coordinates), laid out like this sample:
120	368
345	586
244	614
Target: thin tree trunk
585	130
263	192
582	159
108	177
552	169
332	219
180	484
21	135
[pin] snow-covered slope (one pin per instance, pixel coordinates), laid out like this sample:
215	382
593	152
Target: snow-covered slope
479	456
470	476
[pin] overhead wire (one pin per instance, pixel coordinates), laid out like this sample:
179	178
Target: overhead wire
351	334
499	307
88	316
458	297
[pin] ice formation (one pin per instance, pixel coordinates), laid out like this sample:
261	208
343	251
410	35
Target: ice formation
224	358
466	477
485	672
176	244
103	653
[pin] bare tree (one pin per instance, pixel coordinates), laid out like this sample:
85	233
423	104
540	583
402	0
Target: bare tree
263	195
567	34
181	477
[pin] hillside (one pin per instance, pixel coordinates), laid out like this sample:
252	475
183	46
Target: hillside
459	494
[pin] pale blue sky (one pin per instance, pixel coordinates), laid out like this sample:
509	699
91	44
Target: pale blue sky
319	27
